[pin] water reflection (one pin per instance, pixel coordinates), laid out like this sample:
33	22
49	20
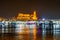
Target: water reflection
28	37
30	31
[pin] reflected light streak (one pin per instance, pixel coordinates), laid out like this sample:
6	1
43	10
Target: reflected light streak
34	32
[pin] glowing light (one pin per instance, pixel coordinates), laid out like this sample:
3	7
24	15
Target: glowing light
43	19
34	16
34	32
20	27
1	18
32	22
22	16
26	30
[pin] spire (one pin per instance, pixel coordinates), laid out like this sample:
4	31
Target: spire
35	12
34	15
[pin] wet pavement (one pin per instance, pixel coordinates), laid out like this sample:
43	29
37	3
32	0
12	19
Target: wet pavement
28	37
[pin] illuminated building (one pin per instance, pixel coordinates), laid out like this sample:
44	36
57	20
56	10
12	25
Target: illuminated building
30	24
1	18
22	16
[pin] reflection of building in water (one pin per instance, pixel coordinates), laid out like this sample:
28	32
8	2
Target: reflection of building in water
25	27
20	27
8	27
22	16
44	27
27	23
50	27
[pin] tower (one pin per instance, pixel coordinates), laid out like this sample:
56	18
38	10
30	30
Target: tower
34	16
22	16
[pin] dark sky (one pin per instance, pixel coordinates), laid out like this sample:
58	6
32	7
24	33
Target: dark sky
45	8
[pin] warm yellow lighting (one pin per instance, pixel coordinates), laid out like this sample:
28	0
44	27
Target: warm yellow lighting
1	18
34	16
26	30
34	31
22	16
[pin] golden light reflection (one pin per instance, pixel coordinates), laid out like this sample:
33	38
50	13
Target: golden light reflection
26	30
34	32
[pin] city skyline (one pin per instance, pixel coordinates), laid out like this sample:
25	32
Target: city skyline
45	9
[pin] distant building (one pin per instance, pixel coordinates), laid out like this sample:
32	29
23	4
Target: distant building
27	16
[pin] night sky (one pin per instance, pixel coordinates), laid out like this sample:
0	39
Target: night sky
49	9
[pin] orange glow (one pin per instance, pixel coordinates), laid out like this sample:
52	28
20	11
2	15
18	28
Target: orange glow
1	18
34	16
34	31
26	30
22	16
